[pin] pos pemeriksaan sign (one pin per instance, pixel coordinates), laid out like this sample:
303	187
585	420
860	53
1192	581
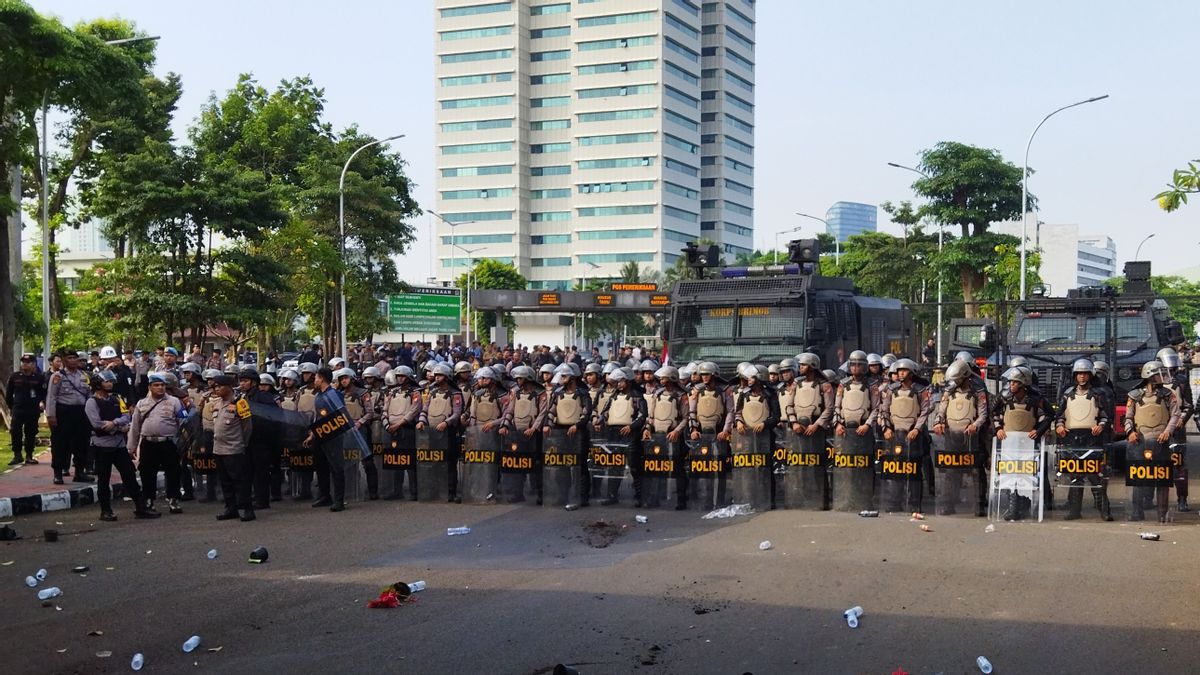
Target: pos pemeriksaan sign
425	309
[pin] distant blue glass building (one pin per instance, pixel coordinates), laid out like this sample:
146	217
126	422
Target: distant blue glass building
850	218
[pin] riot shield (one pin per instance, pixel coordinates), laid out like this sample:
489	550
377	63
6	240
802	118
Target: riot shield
853	471
707	464
1017	477
607	459
432	466
660	461
1081	463
399	458
802	478
518	465
750	472
899	469
1149	472
480	465
562	465
956	474
354	451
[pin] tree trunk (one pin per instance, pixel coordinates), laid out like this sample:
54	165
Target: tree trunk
55	305
972	281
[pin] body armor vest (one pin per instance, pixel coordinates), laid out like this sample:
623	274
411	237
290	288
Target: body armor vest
289	401
487	409
754	409
666	411
524	408
195	393
856	402
807	401
1081	410
307	400
787	399
441	406
1019	417
399	404
620	410
354	404
905	409
710	410
109	409
1152	415
960	409
568	410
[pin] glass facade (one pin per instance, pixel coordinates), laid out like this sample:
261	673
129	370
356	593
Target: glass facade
850	218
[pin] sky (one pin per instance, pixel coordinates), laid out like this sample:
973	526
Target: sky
842	88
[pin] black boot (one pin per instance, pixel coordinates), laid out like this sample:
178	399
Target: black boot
1105	507
247	515
1074	504
228	514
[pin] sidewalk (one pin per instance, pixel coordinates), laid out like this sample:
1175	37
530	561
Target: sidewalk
29	488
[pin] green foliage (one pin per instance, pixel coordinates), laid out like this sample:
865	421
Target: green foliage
1183	183
491	274
1182	297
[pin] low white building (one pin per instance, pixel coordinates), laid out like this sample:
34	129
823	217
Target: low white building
1070	259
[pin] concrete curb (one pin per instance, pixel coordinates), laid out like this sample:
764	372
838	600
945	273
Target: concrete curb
58	500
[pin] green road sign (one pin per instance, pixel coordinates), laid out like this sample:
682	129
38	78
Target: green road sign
426	309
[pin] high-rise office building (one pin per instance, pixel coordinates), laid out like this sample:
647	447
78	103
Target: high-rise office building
574	137
1070	259
847	219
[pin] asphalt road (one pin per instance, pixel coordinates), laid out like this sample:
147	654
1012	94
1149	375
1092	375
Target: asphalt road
529	588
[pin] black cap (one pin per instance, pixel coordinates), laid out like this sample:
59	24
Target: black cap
225	380
28	357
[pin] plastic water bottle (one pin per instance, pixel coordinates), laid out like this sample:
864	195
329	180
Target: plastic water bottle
851	615
766	545
138	661
641	519
47	593
212	555
31	582
191	644
1148	536
40	574
416	586
985	666
455	531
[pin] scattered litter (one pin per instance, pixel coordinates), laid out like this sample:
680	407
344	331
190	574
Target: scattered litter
81	569
6	563
216	649
104	654
257	556
110	568
191	644
408	589
990	528
47	593
138	661
766	545
851	616
641	519
212	554
50	536
918	516
149	552
40	574
61	651
390	598
563	669
57	608
7	533
1149	536
455	531
985	666
31	582
729	512
95	632
868	514
601	533
926	528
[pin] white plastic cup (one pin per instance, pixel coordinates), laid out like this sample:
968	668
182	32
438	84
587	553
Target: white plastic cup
31	582
641	519
47	593
766	545
41	574
191	644
212	555
138	661
985	666
851	615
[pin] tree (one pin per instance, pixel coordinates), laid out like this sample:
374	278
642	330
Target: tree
491	274
1184	182
970	187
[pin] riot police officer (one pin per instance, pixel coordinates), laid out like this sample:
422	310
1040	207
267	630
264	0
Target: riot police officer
1177	381
668	414
401	411
109	418
624	416
711	405
904	409
443	412
262	446
963	410
1152	415
360	406
1020	409
569	408
856	405
1081	423
523	416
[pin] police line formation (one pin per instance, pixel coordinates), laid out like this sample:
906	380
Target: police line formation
875	434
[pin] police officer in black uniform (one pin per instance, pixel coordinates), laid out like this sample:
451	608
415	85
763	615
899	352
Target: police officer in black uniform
1081	422
1177	381
25	396
109	418
1020	409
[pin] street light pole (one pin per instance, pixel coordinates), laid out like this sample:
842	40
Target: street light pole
583	316
470	275
342	234
1138	253
45	165
938	356
1025	184
775	251
837	243
453	245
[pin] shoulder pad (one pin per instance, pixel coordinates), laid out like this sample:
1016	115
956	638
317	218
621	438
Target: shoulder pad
1137	395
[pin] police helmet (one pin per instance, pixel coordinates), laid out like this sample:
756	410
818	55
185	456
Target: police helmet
501	371
107	352
809	359
106	375
266	378
617	375
485	373
1017	361
747	371
1152	368
959	371
548	368
648	366
343	372
160	378
389	379
874	359
892	368
563	370
371	371
289	374
685	373
232	369
830	375
211	374
763	373
1169	357
523	373
964	356
857	356
1101	369
404	371
170	378
574	369
907	364
708	368
667	373
308	367
889	359
1019	374
593	368
443	369
249	374
629	374
1083	366
190	367
336	363
773	369
462	367
609	367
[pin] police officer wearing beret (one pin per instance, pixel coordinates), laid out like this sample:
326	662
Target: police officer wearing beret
231	431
